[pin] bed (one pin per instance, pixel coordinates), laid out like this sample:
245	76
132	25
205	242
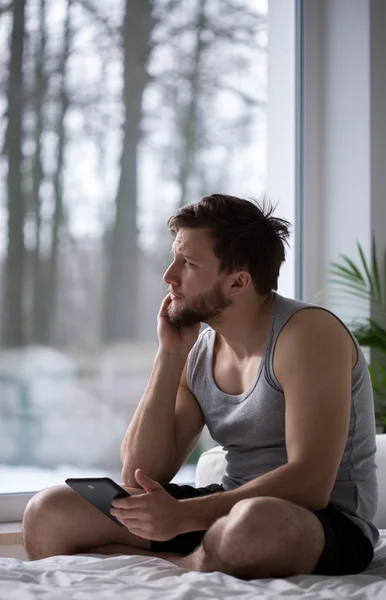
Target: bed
84	577
96	577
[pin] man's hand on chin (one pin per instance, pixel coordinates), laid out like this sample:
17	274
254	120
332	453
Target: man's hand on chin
151	513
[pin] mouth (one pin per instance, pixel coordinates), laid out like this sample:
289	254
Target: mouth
173	295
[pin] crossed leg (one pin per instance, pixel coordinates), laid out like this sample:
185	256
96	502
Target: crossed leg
260	537
57	520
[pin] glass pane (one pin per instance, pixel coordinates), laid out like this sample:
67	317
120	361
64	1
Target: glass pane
112	117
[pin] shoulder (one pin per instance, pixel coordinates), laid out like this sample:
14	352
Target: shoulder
313	337
313	323
310	320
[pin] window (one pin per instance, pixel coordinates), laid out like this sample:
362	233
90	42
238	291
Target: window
112	119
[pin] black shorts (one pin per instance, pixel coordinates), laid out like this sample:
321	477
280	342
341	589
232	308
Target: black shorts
346	550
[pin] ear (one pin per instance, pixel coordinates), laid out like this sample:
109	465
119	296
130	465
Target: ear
240	281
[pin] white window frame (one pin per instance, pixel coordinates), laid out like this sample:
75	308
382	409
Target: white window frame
281	125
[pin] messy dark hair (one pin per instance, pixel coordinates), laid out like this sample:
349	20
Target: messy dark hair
245	235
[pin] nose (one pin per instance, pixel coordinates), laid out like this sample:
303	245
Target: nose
170	276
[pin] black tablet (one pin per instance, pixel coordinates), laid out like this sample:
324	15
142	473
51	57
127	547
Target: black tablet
100	491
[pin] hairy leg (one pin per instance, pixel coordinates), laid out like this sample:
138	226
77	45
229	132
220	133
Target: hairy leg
59	521
261	537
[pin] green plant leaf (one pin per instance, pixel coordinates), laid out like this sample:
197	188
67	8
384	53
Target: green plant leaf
384	274
347	275
375	270
354	268
378	380
380	418
343	271
366	268
369	341
355	302
364	293
360	285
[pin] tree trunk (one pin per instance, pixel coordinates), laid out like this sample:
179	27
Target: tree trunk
38	303
51	286
189	125
13	330
121	303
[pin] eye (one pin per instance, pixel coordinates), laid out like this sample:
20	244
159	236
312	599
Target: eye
186	262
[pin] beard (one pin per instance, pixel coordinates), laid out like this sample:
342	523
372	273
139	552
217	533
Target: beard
202	309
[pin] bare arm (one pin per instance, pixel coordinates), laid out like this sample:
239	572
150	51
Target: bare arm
313	361
168	419
165	426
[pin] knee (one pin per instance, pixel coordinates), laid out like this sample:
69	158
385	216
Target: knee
249	519
40	514
254	516
42	506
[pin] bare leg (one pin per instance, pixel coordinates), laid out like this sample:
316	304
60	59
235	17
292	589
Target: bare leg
261	537
193	561
59	521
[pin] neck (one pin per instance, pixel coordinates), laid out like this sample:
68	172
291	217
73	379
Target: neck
243	327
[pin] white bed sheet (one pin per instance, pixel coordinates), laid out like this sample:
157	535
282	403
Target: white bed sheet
86	577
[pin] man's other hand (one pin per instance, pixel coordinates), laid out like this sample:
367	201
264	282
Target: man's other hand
153	515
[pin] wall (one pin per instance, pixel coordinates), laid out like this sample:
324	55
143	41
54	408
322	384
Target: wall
344	135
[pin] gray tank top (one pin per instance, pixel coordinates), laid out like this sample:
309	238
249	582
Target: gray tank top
250	426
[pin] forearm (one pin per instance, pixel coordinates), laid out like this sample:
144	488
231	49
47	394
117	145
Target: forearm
149	442
290	482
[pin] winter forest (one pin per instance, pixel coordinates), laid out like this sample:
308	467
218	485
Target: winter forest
112	115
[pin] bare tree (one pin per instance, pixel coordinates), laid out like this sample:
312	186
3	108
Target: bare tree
13	330
189	122
210	49
40	89
207	44
122	259
52	271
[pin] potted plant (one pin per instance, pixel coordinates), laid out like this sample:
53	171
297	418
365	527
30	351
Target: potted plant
365	281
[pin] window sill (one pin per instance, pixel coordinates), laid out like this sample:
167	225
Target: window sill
10	533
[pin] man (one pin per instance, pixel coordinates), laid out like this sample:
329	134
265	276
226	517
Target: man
282	386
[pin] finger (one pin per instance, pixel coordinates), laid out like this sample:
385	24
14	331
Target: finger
132	491
127	503
139	501
131	523
127	514
136	526
121	504
149	485
165	303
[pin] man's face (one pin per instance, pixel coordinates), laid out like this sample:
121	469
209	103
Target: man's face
196	286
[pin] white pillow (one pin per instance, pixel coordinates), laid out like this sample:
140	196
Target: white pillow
210	467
